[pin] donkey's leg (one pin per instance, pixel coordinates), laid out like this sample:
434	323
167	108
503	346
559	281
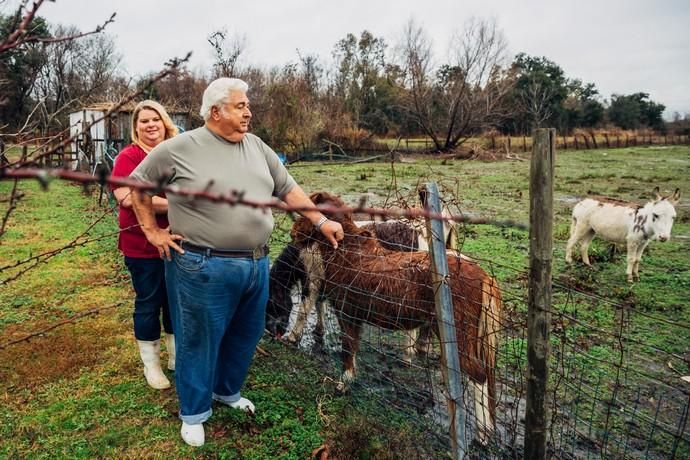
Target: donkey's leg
586	239
638	257
576	233
631	257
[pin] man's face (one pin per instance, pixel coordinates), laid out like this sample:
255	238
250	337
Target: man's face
234	116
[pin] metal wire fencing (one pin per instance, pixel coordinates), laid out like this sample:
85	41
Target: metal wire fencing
611	392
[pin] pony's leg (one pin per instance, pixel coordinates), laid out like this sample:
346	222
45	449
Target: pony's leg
303	311
313	266
410	351
350	341
320	328
482	412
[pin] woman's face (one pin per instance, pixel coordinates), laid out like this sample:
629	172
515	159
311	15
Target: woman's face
150	128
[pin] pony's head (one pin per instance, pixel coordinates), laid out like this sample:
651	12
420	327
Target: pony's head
304	233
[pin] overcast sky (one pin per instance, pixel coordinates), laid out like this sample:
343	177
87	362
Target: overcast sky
623	46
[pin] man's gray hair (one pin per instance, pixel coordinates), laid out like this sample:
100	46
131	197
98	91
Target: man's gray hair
216	94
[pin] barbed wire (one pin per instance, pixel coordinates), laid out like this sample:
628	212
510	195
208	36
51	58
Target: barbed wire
73	319
43	257
171	67
236	197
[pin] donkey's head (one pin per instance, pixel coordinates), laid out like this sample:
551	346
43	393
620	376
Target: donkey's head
660	213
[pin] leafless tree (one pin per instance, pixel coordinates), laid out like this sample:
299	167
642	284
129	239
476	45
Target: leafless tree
83	59
466	95
536	101
414	55
76	72
226	50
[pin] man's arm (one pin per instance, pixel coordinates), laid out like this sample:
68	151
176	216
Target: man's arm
161	238
332	230
124	198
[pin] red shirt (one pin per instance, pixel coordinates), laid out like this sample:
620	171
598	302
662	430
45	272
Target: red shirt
132	242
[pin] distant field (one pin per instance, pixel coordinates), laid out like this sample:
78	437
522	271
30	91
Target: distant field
76	391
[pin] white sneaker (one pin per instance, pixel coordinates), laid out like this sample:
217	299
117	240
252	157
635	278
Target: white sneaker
193	434
243	404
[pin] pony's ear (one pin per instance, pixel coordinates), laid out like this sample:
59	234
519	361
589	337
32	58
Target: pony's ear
366	235
675	198
301	232
315	197
656	194
422	193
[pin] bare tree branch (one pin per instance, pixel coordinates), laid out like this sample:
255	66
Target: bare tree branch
21	34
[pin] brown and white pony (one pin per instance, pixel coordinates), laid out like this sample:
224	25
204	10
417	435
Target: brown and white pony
304	268
367	283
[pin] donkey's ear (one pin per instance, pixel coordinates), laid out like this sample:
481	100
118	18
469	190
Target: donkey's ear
675	198
656	194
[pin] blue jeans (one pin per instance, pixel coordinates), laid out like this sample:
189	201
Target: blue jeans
148	280
218	309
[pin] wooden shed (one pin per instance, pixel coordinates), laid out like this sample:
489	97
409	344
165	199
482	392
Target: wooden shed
107	135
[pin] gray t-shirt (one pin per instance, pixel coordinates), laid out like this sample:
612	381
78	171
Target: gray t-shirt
195	158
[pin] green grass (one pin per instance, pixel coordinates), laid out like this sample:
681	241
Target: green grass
77	390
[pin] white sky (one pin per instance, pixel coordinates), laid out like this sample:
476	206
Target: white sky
623	46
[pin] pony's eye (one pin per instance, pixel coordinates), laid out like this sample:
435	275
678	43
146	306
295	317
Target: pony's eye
655	217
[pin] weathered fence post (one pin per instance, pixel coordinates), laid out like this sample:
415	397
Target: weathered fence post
446	324
539	295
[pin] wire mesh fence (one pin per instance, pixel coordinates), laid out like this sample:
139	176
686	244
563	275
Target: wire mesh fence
612	394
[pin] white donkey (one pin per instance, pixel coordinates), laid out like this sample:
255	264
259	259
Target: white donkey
622	222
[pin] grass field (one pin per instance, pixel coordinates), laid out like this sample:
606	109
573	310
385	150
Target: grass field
76	391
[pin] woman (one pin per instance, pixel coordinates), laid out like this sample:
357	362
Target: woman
151	125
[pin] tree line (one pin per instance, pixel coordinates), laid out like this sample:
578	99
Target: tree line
369	89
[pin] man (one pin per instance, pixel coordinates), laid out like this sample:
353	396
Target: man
215	254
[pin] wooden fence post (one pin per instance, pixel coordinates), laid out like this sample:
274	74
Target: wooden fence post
539	295
446	325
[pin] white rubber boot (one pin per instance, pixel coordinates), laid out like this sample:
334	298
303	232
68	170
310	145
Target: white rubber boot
193	434
170	346
150	356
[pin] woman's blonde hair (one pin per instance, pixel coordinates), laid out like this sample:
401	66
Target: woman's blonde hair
170	128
